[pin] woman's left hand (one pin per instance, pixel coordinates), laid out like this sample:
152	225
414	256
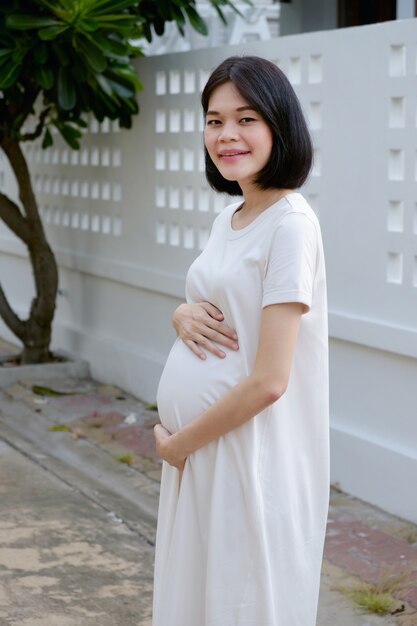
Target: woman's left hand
166	448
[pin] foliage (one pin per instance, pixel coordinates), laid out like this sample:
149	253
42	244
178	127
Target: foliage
156	14
379	597
374	602
77	54
125	457
61	61
64	428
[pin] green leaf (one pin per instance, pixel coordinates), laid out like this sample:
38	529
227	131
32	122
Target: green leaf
9	73
47	34
6	52
71	135
61	53
59	428
40	53
67	96
103	6
217	4
29	22
121	91
125	119
93	56
47	139
131	104
19	54
125	77
115	18
178	16
108	45
39	390
196	21
45	77
104	84
87	25
108	104
67	4
164	10
147	32
62	9
220	13
159	26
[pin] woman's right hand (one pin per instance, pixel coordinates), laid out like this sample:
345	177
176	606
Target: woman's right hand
201	325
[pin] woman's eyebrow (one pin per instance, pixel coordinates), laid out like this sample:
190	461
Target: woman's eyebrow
239	109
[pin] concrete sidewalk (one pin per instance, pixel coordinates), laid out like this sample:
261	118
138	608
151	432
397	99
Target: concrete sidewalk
77	526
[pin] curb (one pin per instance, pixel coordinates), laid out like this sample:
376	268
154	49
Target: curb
70	368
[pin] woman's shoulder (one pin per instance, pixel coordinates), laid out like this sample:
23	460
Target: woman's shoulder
296	222
295	215
297	205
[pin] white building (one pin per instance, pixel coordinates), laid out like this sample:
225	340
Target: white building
301	16
267	19
258	22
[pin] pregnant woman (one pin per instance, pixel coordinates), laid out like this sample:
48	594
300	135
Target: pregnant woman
244	438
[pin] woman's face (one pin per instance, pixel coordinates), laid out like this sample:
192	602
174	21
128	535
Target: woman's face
237	138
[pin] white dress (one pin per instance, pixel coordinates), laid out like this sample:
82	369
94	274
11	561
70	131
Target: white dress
240	539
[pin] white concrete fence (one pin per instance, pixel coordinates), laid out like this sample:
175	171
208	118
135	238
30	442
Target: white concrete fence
129	212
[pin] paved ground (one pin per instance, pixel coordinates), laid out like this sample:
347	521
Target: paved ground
65	560
77	526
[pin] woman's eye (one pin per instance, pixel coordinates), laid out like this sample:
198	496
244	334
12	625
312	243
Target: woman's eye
246	120
212	122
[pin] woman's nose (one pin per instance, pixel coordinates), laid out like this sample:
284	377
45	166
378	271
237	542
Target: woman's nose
228	132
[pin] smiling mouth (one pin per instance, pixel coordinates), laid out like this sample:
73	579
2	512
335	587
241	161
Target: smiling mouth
233	153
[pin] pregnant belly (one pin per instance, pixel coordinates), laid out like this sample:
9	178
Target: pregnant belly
188	385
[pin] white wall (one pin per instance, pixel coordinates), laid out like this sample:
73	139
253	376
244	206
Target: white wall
125	240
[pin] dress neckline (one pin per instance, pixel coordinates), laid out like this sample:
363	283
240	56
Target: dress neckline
259	219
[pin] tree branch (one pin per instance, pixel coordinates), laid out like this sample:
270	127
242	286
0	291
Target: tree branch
20	168
39	127
13	218
11	319
19	115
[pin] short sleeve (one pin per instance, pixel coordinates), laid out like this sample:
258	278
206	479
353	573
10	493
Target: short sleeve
291	263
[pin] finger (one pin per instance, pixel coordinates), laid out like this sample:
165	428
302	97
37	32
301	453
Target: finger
210	334
212	347
225	341
194	347
228	340
212	310
202	342
204	325
225	329
161	432
199	338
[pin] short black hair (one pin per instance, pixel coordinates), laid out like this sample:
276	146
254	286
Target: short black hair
269	92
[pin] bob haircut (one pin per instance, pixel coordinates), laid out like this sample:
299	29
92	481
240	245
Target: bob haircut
266	88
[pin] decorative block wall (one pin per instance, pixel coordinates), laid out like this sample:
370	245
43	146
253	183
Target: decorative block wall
129	212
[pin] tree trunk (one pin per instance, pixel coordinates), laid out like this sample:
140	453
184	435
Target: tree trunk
35	332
